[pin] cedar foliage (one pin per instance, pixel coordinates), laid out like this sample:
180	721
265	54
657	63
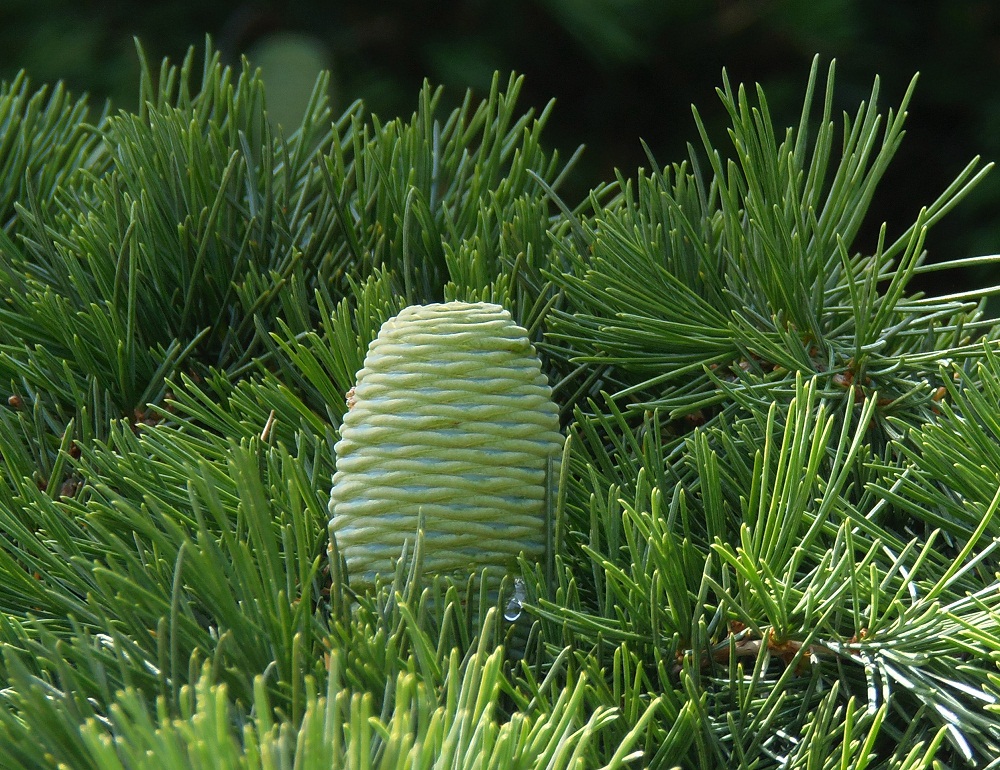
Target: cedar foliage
775	526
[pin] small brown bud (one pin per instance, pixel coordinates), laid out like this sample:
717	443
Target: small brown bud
844	379
69	487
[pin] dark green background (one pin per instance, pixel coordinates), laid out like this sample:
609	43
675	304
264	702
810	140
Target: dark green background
620	70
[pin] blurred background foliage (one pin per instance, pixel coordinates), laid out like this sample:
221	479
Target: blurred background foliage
620	70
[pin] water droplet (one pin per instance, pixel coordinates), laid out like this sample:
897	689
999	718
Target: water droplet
513	610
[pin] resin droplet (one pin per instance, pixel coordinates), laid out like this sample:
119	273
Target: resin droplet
513	610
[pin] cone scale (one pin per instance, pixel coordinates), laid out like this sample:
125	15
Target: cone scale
451	419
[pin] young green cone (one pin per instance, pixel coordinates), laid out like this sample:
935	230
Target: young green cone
451	419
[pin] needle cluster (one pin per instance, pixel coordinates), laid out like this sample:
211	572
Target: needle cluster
773	540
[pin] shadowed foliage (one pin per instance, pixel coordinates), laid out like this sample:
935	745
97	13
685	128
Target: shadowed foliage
773	532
